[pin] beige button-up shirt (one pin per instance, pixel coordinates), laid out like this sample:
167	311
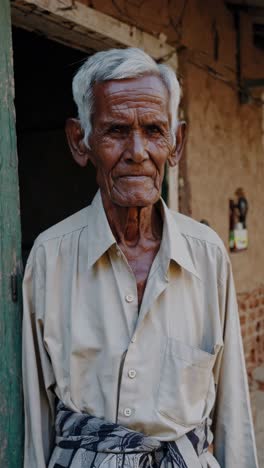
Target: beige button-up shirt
161	371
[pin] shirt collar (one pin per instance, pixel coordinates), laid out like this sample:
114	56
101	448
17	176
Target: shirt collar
100	236
173	245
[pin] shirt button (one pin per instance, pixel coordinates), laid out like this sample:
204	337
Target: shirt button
130	298
132	373
127	412
118	253
134	338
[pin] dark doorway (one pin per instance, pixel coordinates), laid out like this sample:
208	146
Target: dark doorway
52	185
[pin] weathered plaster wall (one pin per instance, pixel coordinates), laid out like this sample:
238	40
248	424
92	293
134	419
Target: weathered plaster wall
224	152
224	149
251	57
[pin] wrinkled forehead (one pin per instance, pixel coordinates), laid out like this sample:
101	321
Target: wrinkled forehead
146	93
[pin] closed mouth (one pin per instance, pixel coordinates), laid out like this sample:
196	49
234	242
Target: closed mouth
134	176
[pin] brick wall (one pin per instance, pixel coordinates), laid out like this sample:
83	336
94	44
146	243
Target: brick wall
251	309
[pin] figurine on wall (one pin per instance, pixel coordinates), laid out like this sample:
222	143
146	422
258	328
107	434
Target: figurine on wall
238	234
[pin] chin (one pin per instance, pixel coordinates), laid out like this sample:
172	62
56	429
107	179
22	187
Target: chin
132	199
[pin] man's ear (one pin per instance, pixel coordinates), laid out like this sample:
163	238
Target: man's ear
177	151
74	132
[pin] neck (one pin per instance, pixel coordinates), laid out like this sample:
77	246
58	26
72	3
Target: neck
131	226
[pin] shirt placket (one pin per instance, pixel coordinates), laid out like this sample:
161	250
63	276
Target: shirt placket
133	364
126	282
127	285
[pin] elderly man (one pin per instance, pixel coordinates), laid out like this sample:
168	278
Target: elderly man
132	350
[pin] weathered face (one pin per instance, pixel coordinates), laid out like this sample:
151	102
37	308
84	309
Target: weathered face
131	139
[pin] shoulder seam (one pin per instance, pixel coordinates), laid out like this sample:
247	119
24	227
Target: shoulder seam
184	233
220	280
202	240
42	241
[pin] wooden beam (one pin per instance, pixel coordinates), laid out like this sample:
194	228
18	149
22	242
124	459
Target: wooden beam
89	27
11	414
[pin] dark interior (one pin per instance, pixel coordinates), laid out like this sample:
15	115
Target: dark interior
52	185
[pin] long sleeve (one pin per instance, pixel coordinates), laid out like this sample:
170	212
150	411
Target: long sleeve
37	372
234	444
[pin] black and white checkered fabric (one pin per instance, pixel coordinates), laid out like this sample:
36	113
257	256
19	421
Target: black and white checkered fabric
84	441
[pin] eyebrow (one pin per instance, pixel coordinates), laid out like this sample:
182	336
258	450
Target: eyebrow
121	122
157	122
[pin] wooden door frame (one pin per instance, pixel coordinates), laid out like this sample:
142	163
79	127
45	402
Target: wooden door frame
11	413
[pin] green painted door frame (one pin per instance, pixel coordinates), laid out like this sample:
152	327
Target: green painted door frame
11	413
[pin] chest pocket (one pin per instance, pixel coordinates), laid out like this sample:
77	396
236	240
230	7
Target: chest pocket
184	383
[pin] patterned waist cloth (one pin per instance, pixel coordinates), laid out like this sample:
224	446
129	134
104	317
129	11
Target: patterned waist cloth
84	441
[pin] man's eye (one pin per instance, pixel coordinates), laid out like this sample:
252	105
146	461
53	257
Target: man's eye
119	129
153	130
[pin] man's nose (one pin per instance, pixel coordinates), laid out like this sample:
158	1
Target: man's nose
136	150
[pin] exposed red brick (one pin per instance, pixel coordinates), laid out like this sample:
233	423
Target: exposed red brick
261	386
260	312
252	329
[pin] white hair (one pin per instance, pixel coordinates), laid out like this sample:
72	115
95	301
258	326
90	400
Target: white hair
119	64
